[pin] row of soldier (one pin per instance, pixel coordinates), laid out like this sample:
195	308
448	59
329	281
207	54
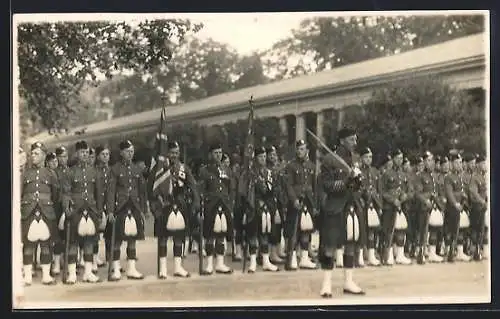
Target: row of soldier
393	214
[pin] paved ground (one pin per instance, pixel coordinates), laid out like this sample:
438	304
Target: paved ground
467	282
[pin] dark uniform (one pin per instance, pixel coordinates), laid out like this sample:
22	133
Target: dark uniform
456	218
478	200
169	204
127	203
469	161
443	165
40	193
300	180
413	223
83	204
104	175
218	190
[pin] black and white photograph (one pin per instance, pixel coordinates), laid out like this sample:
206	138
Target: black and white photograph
250	159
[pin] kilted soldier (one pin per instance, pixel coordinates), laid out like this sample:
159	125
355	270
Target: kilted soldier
125	206
169	204
413	233
456	216
61	171
469	162
259	220
372	207
51	161
340	212
430	215
394	195
278	171
218	191
83	203
300	178
103	154
40	191
226	166
444	169
478	198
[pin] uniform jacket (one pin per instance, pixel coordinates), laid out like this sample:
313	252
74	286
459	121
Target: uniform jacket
264	187
40	186
104	176
454	190
278	175
478	192
334	184
126	182
426	189
300	180
369	188
391	188
82	188
441	198
217	187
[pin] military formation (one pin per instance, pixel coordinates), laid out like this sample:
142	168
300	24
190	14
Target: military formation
431	209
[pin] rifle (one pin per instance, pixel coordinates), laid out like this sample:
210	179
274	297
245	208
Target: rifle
245	242
66	250
200	242
112	250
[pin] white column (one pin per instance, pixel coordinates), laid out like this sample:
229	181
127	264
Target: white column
283	126
340	119
320	117
300	127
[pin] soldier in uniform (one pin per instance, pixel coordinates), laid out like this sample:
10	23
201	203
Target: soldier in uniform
299	182
372	206
276	254
340	210
61	171
478	196
51	161
444	169
83	203
412	237
469	162
103	154
395	195
171	210
430	217
237	213
92	156
40	191
456	218
218	192
126	206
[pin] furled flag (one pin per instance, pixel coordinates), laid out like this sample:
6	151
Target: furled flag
246	186
160	176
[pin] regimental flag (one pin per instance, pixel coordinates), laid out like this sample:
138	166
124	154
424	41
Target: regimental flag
161	177
246	187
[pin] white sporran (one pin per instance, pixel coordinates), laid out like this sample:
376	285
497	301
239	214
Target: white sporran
464	219
38	231
373	219
130	227
436	218
401	222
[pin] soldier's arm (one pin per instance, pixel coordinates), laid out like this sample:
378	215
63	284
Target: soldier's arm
448	190
420	195
385	193
410	187
474	195
329	183
55	186
289	180
141	185
99	192
111	195
194	189
66	189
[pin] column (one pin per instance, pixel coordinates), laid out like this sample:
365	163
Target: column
300	127
283	126
340	119
320	118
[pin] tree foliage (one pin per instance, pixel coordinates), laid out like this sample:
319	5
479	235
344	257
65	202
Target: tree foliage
55	59
418	115
324	43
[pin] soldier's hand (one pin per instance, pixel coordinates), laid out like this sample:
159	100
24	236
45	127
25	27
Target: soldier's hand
404	197
111	218
428	203
397	203
68	213
459	207
296	204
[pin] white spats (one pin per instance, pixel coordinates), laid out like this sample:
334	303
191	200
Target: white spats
253	263
98	260
461	255
372	258
88	275
275	257
130	227
361	259
56	265
401	259
46	277
28	274
38	231
293	261
162	273
71	274
390	257
179	271
266	263
132	271
116	275
326	286
210	264
339	258
220	266
305	261
86	226
433	257
349	285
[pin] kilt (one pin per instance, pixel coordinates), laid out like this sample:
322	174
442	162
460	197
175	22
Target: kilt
294	219
51	224
260	225
210	217
332	233
160	223
120	218
75	219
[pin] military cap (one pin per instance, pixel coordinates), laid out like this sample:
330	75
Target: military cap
346	132
99	149
300	143
469	157
426	155
172	145
50	156
225	157
443	160
406	160
455	156
91	151
365	150
260	150
61	150
125	144
38	145
214	146
81	145
480	158
386	159
270	149
419	160
396	152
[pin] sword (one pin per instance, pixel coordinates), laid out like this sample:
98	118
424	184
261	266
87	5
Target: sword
200	242
336	160
112	250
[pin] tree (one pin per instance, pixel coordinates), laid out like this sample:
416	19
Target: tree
324	43
55	59
418	115
250	72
